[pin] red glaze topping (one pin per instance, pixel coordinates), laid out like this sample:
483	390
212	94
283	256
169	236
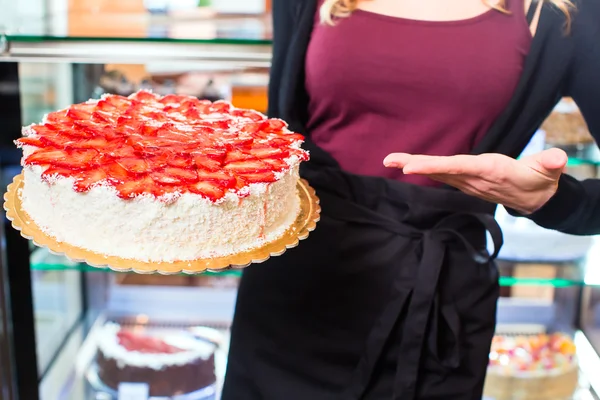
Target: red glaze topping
145	344
148	144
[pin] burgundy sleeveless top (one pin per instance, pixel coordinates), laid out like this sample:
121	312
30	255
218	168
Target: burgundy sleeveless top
380	84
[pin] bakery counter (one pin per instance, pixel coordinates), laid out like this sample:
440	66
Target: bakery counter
224	32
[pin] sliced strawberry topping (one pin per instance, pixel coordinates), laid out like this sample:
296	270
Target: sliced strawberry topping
174	176
211	190
236	155
221	107
220	177
276	164
47	156
133	165
78	114
247	166
265	151
30	141
144	96
206	163
135	187
85	181
119	102
117	173
145	344
151	144
53	171
258	177
94	143
180	160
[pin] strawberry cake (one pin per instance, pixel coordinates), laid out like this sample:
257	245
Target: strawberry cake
161	179
532	367
170	364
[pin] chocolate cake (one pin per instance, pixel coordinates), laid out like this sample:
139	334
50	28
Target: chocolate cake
170	365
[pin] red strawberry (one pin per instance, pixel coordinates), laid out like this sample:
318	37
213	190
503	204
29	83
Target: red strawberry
80	159
253	115
158	161
56	116
204	162
93	143
87	108
157	116
174	176
132	188
236	155
78	115
149	130
242	142
106	106
258	177
144	96
192	113
214	153
116	173
119	102
220	107
266	151
172	99
101	116
273	125
220	124
302	155
120	151
219	177
46	157
30	141
85	129
57	141
276	164
47	129
133	165
251	128
89	178
293	137
53	170
210	190
180	161
247	166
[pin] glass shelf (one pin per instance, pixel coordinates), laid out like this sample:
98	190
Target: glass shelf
223	22
512	274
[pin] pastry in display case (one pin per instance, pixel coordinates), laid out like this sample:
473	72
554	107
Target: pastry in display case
532	367
170	362
565	126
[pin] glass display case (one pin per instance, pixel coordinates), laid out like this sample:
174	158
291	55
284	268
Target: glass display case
56	312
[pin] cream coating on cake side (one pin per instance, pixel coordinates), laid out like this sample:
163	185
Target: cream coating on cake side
148	229
108	344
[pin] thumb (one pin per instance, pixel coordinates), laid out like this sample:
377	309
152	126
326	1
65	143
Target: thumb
550	163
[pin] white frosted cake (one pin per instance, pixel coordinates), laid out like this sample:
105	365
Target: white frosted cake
171	364
161	179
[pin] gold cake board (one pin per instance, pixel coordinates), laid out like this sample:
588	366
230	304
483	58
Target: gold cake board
305	222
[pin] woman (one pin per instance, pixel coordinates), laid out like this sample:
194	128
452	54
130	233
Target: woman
393	296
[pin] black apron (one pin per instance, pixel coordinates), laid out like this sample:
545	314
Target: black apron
393	296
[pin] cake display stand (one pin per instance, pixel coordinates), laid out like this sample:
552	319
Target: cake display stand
305	222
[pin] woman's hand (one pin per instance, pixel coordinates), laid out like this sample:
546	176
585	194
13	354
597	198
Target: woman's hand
524	185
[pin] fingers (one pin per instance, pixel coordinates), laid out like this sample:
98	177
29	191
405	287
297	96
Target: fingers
549	163
554	160
433	165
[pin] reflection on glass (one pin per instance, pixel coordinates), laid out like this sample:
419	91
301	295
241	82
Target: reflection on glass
242	21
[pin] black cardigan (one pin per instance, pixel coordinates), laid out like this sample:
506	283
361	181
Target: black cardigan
559	64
